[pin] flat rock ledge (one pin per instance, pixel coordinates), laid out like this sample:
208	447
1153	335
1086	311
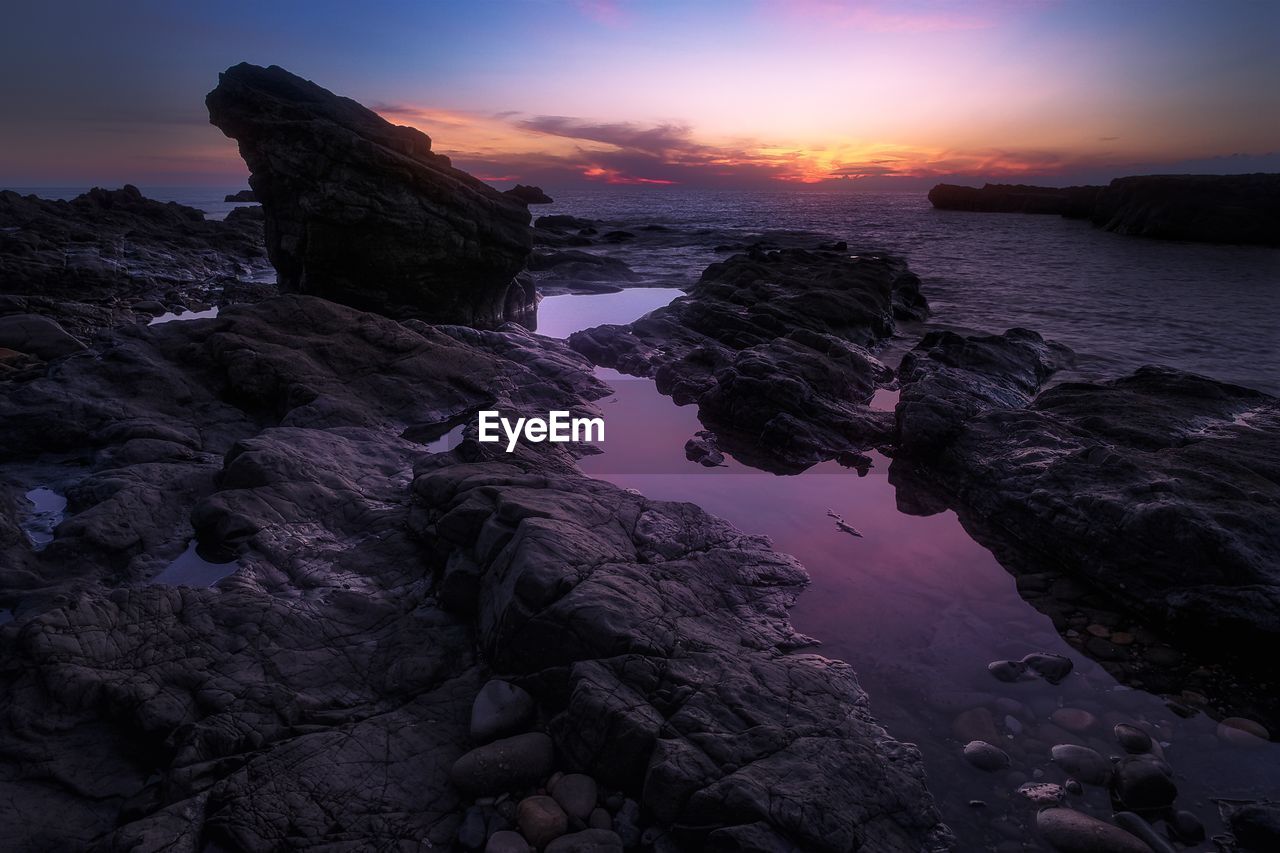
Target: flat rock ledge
318	696
776	350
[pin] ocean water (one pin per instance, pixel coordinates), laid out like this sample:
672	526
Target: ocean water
915	605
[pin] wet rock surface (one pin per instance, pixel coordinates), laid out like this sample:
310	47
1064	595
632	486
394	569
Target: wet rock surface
775	350
90	263
1157	490
324	677
361	211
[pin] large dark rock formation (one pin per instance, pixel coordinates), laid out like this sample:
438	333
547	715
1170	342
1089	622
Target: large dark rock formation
529	195
88	262
1205	208
1076	202
361	211
318	697
1161	488
775	348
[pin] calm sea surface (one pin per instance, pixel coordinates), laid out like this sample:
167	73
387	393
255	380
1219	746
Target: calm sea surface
915	605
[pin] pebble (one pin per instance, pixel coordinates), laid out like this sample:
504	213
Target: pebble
1136	826
1052	668
500	709
1009	671
1239	731
1082	763
1187	827
1070	831
1012	725
514	762
1074	720
587	841
507	841
627	822
1074	787
576	793
1042	793
986	756
1256	826
600	819
1122	638
1132	739
1143	783
975	724
471	834
541	820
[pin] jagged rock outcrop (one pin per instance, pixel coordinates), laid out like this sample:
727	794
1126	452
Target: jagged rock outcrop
1074	202
775	348
1205	208
86	263
361	211
324	677
529	195
242	195
1161	487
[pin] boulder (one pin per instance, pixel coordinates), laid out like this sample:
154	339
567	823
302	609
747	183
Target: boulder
37	335
1070	831
501	709
242	195
361	211
528	195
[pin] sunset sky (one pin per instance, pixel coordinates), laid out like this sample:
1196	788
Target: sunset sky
821	93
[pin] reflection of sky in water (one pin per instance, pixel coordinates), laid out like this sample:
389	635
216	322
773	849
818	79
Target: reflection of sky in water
190	569
170	317
915	606
48	508
559	316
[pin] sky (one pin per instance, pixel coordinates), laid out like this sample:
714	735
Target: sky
747	94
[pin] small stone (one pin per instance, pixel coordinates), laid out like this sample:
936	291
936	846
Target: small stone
977	804
1256	826
1074	787
1074	720
1098	630
1139	828
471	834
507	841
1122	638
587	841
600	819
1042	793
1052	668
627	823
1240	731
500	709
985	756
504	765
1143	783
1070	831
541	820
1187	827
1132	739
1082	763
576	793
1162	656
1009	671
1012	725
975	724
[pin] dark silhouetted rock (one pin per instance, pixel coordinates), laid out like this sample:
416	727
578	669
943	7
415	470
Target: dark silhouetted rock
361	211
773	348
1204	208
1143	783
508	764
501	709
37	336
1076	202
242	195
1256	826
529	195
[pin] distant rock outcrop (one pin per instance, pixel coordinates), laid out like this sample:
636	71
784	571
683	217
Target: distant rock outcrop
1206	208
529	195
1203	208
360	210
243	195
1075	202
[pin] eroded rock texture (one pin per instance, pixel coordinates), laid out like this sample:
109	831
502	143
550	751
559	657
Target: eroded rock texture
776	350
1161	487
361	211
110	257
659	638
317	697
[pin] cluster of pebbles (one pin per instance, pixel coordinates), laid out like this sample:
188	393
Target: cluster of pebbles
1084	768
522	802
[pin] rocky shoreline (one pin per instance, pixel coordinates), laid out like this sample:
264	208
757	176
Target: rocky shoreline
1242	209
423	642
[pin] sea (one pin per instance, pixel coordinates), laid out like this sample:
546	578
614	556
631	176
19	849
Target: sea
914	604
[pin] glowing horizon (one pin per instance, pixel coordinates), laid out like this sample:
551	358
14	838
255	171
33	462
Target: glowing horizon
715	94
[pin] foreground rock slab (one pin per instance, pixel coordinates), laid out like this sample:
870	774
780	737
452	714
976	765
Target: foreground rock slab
361	211
775	349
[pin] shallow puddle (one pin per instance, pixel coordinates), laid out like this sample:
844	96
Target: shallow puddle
48	510
170	317
191	569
